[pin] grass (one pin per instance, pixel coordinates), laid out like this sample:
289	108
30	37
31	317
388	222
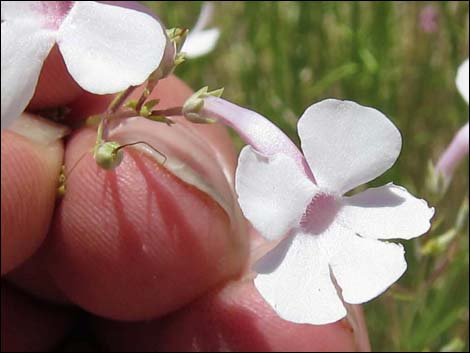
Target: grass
280	57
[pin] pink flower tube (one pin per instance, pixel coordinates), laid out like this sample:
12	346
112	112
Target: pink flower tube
454	153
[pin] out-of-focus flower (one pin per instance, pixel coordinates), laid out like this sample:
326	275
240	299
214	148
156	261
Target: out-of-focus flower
461	80
105	48
429	19
459	146
300	202
201	41
453	154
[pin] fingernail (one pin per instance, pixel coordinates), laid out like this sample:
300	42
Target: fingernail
38	130
183	153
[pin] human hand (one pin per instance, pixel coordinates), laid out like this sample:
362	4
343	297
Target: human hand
165	244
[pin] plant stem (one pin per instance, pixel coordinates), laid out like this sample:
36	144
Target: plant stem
118	101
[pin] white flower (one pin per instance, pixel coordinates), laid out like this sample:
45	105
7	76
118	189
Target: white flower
329	249
201	41
462	80
105	48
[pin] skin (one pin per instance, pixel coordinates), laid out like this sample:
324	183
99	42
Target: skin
136	243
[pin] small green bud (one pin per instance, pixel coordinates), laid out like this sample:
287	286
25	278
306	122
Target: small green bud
147	107
193	106
132	104
108	155
177	35
436	182
179	58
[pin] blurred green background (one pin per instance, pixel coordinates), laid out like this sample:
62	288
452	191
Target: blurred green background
277	58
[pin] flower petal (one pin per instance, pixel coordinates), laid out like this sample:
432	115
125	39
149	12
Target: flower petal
199	43
108	48
46	14
20	11
386	212
300	288
346	144
205	16
25	46
272	191
462	80
364	268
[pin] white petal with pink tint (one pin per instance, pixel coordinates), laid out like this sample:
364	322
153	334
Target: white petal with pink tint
20	10
386	212
108	48
201	41
364	268
346	144
300	288
462	80
24	49
273	192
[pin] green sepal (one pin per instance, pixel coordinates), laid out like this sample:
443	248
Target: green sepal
147	107
132	104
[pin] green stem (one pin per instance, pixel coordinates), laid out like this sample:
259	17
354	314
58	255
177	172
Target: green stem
151	84
118	101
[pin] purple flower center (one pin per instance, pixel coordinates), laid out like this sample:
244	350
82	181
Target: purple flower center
320	213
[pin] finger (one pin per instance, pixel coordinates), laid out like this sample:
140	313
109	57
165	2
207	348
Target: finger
234	319
31	158
33	278
173	92
29	325
55	85
145	239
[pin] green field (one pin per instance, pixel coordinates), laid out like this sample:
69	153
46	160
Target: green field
277	58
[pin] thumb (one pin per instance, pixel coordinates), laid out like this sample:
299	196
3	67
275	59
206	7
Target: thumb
147	238
31	157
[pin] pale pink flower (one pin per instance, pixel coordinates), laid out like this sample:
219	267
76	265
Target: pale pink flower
429	19
105	48
330	246
458	148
